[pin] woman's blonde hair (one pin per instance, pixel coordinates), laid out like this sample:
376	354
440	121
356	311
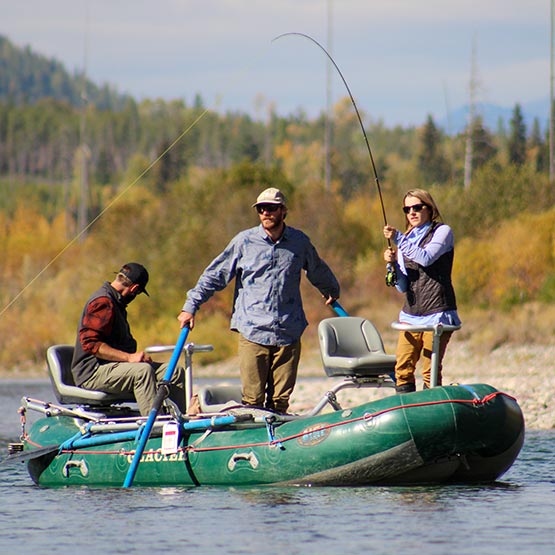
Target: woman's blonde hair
427	199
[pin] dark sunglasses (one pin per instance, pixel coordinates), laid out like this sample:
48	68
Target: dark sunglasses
267	207
415	207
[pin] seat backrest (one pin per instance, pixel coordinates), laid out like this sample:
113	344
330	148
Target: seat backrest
219	397
349	337
58	359
352	346
373	337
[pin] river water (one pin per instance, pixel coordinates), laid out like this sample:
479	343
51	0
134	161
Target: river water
516	515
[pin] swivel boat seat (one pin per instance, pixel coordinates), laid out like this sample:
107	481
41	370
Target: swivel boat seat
352	348
58	358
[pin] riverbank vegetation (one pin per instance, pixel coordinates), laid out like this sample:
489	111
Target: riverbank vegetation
86	188
504	263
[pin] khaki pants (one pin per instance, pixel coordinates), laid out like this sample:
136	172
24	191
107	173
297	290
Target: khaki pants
139	378
410	347
268	373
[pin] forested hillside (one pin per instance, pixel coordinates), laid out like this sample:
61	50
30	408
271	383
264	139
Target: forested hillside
26	77
87	186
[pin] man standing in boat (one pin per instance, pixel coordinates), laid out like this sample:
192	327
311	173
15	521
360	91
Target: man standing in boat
106	357
266	262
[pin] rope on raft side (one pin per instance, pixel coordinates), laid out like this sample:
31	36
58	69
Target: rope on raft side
276	442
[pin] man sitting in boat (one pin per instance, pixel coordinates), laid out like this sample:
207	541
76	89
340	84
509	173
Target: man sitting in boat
106	356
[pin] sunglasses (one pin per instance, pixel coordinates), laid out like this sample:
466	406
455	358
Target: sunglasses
415	207
267	207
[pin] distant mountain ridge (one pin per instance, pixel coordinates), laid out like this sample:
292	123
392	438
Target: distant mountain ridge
27	77
493	114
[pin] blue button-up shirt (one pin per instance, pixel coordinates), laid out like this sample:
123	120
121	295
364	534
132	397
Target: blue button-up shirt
267	307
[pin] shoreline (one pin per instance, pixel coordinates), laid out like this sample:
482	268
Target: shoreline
525	372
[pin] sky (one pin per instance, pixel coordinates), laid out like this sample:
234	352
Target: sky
402	59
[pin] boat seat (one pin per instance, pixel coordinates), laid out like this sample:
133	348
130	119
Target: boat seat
352	346
219	397
58	359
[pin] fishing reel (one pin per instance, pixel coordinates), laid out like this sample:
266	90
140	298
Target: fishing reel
390	275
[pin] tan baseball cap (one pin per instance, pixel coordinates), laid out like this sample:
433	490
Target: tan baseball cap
270	196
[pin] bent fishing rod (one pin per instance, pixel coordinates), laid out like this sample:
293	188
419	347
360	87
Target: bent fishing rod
391	277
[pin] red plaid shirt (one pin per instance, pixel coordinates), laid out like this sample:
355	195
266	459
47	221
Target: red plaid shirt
97	324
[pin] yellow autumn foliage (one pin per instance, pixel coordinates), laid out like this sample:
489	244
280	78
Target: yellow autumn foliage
47	275
509	265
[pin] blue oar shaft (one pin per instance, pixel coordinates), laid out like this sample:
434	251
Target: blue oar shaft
130	435
339	310
154	411
99	439
204	423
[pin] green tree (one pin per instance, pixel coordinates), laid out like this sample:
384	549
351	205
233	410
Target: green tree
496	194
432	164
483	141
537	148
517	138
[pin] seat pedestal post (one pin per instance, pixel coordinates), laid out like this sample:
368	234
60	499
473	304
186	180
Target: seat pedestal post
438	330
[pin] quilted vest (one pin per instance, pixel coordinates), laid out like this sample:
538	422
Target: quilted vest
84	364
430	289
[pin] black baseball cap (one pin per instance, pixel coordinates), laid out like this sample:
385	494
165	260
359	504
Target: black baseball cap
136	273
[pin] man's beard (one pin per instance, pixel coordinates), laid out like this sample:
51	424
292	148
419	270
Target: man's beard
128	298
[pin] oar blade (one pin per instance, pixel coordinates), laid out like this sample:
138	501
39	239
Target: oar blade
30	454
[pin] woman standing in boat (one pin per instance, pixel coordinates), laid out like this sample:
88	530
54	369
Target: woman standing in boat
423	263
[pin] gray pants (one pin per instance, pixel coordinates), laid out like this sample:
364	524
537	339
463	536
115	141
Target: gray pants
139	378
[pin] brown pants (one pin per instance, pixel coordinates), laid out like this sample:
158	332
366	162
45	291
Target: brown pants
268	373
412	345
139	378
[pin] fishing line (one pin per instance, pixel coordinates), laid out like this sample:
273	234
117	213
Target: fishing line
118	197
390	277
108	206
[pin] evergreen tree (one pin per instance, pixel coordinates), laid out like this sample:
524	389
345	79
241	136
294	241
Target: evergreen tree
432	164
517	138
484	144
537	148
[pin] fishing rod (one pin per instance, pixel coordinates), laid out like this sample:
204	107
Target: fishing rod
391	277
